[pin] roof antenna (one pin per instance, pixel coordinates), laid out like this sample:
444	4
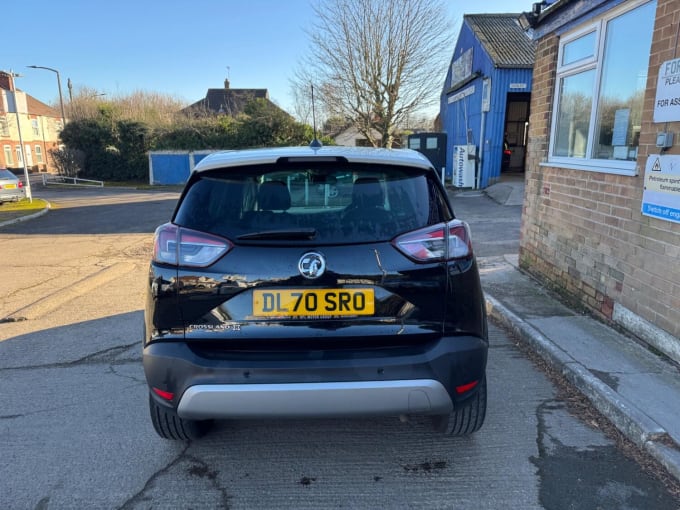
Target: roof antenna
316	143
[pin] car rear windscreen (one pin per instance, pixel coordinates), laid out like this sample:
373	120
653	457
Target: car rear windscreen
324	204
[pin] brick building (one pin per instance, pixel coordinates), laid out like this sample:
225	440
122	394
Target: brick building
40	127
597	226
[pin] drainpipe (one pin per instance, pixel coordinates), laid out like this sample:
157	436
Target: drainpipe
481	151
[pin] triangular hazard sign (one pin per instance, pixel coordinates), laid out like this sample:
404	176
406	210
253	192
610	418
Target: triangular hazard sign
657	166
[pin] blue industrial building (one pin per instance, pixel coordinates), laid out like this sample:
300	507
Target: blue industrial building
485	100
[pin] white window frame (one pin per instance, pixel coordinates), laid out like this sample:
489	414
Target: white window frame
39	154
9	156
597	25
20	154
36	127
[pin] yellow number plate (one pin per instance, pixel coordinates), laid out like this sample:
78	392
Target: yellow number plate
313	302
10	186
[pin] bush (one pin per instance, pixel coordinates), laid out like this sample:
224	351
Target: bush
68	162
115	148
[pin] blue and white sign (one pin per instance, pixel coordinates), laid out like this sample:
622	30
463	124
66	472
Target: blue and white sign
661	197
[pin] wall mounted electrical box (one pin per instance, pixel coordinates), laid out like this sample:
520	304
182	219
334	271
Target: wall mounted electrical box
664	140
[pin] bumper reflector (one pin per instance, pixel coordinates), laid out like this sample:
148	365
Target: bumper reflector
466	387
163	394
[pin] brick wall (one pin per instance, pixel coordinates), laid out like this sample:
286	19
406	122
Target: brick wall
582	231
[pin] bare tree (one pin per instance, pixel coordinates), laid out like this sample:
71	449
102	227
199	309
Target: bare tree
375	62
152	108
84	104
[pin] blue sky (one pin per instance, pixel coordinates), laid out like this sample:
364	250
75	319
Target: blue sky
175	47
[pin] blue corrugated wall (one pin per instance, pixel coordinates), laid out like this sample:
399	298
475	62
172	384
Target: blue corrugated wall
462	119
173	167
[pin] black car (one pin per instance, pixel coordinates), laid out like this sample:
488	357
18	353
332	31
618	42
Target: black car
314	282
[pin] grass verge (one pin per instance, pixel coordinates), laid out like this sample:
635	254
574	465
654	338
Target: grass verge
38	204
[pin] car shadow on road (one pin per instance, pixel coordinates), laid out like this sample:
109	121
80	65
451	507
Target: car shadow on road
119	218
106	340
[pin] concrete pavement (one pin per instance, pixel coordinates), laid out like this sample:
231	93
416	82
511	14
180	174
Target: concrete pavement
636	389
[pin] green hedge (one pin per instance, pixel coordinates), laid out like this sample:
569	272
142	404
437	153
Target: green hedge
116	150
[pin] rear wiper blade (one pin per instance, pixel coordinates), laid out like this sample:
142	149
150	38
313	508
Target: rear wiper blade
301	233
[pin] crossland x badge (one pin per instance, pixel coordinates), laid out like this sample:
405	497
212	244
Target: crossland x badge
312	265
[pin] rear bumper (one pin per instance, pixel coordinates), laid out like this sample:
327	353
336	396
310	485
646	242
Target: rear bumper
314	399
415	380
12	195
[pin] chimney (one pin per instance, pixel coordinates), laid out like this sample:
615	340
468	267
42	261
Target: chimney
226	83
4	80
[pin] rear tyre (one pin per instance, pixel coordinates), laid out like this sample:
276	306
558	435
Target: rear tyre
168	425
464	420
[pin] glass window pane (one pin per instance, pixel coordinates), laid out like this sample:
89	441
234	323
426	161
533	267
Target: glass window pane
338	201
579	49
622	88
573	116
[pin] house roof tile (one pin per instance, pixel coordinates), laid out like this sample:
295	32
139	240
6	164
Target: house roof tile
227	101
39	108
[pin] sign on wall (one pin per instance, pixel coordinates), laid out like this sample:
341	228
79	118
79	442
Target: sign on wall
661	196
461	68
486	94
667	103
462	94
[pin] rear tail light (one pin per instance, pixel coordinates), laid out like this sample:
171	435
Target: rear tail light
184	247
21	184
445	241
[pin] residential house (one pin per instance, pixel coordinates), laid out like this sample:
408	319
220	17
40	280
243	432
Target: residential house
351	137
601	216
40	126
226	101
485	99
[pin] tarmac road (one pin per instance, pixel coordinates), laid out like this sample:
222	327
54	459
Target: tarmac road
75	431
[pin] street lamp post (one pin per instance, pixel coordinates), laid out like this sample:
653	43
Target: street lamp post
13	89
61	99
